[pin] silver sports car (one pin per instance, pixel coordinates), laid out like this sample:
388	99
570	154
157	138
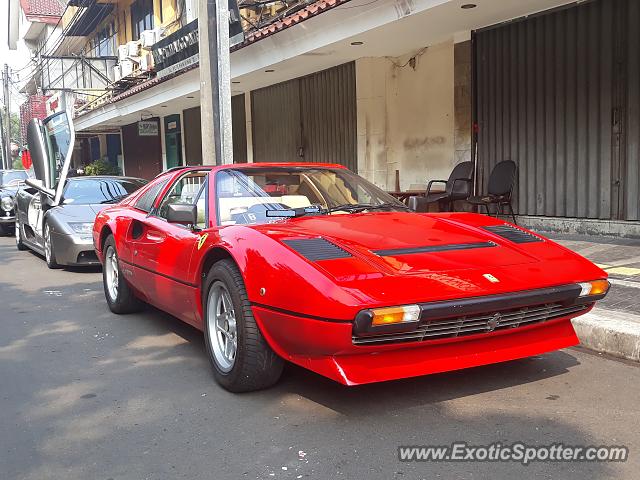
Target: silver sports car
55	214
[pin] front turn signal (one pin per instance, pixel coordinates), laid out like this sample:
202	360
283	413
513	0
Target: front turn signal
596	287
395	315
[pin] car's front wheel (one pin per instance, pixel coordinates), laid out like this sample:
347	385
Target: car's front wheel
119	295
49	252
241	358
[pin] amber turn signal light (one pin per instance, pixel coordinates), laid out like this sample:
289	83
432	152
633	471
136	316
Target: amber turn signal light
395	315
596	287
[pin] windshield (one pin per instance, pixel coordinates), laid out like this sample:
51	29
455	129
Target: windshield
12	178
244	196
99	190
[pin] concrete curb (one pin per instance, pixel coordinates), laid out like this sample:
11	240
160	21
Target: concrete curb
609	331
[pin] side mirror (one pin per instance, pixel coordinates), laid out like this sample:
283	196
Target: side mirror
184	214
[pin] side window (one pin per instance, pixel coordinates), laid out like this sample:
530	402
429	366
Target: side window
190	189
146	201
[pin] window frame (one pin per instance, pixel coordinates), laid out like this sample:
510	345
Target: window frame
141	11
155	211
162	184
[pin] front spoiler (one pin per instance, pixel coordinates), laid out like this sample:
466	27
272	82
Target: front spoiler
326	348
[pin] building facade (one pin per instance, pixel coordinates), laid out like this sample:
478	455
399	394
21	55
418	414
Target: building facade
399	91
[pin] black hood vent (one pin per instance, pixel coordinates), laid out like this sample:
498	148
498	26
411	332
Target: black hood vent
433	248
513	234
316	249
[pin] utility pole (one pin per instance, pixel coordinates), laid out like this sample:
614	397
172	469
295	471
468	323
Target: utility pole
7	122
215	82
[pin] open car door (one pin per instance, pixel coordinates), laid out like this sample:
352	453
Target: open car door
51	146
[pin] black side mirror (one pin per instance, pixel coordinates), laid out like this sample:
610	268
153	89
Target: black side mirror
184	214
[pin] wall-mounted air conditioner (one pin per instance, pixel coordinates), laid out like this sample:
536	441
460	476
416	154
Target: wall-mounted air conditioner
146	62
123	51
117	73
126	67
133	48
148	38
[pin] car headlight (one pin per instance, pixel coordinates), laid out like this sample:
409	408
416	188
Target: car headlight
82	228
6	204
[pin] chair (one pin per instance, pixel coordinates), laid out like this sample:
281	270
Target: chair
458	187
500	191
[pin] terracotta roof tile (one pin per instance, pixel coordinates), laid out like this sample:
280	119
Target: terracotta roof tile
46	8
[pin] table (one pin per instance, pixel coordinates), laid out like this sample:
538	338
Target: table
403	196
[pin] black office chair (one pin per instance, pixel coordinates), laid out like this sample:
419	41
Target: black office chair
500	190
458	187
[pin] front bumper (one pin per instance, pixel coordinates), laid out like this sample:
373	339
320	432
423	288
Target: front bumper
73	250
7	217
327	348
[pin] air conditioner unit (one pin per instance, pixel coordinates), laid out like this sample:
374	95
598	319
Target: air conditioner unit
133	49
126	67
146	62
123	51
117	73
148	38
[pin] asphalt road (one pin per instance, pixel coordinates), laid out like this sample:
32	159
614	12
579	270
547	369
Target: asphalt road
85	394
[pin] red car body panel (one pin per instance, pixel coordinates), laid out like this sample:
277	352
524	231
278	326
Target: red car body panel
306	309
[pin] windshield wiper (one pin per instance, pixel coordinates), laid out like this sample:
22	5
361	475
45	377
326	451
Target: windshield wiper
360	207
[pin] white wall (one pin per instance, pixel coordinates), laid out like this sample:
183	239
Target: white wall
406	117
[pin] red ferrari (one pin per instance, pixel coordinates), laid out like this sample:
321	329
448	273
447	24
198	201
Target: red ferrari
312	264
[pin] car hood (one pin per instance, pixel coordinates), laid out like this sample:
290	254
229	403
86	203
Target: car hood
9	190
78	213
402	257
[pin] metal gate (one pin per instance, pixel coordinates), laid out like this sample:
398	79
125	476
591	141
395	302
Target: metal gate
308	119
559	93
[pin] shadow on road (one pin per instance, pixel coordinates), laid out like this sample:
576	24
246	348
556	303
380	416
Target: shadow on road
88	394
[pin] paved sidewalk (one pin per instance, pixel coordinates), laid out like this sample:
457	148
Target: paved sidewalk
613	327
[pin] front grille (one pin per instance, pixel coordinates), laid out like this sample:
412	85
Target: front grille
476	324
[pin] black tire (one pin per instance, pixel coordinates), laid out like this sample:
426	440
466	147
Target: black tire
256	365
18	235
125	300
49	255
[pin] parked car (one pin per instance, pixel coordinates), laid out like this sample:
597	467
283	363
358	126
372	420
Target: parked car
10	182
313	264
55	214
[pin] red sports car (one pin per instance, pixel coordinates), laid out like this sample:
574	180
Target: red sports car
312	264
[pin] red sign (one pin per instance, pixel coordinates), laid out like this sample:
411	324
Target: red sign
26	159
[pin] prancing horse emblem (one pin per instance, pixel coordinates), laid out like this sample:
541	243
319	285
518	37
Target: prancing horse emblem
201	240
493	322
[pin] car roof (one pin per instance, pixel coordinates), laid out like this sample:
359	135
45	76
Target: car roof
234	166
107	177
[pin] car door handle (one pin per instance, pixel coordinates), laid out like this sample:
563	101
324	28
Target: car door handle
152	237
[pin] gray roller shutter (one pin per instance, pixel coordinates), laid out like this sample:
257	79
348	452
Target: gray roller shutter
559	94
308	119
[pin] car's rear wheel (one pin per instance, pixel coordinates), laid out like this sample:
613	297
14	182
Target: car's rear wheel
241	358
119	294
18	234
49	252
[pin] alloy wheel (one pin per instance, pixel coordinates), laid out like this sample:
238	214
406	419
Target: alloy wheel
223	330
111	271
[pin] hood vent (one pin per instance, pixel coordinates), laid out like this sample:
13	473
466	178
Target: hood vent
433	249
316	249
513	234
